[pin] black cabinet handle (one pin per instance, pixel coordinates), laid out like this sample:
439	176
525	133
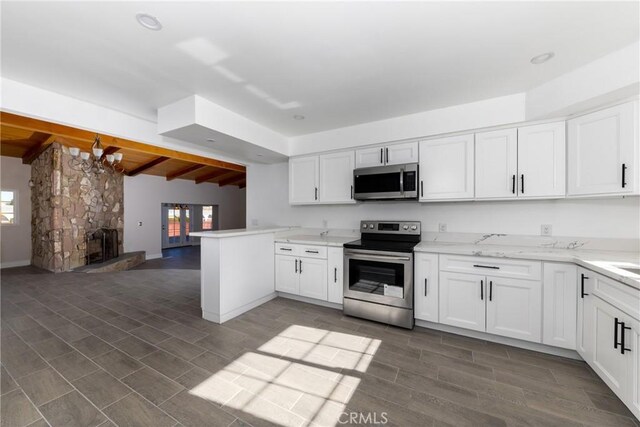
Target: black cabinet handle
522	183
300	266
421	188
615	332
582	279
624	177
296	266
387	152
513	184
316	196
491	290
335	275
622	347
286	249
352	192
493	267
425	286
482	289
381	154
311	252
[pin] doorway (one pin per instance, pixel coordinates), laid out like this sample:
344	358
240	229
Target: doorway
179	219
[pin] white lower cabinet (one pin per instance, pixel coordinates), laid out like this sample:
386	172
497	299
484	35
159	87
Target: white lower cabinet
560	298
313	278
426	287
335	275
584	344
287	277
462	300
514	308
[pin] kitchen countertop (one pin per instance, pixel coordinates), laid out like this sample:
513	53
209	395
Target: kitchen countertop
606	263
219	234
315	239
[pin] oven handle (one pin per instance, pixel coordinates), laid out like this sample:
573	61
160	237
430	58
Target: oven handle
366	255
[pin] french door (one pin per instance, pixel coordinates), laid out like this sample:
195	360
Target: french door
176	225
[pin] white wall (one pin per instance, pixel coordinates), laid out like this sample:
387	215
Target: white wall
267	202
16	239
144	195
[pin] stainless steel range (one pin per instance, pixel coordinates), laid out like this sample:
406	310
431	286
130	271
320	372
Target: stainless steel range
378	272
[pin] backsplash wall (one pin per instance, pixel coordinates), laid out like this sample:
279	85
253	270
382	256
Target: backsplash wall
267	203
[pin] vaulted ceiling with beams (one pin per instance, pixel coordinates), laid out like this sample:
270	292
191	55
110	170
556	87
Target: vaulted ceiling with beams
27	138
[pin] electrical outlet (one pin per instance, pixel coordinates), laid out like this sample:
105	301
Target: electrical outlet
139	223
545	230
442	228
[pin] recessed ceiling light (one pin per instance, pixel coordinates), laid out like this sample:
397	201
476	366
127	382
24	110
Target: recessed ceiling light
541	59
298	117
211	140
148	21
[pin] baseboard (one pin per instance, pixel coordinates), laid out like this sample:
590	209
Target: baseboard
310	300
11	264
221	318
534	346
153	256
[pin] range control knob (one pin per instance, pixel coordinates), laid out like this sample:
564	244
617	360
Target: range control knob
405	227
371	226
414	227
364	226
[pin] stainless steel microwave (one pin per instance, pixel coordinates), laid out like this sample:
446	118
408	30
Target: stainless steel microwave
392	182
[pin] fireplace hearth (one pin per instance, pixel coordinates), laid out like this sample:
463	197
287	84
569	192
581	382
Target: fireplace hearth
102	245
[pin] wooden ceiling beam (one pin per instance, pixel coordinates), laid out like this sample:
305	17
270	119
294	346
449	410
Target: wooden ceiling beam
232	180
43	141
110	150
242	184
147	165
211	175
177	174
35	125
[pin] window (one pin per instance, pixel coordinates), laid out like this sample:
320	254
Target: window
8	207
207	217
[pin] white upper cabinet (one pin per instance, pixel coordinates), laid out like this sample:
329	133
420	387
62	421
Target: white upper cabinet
336	177
398	154
303	179
541	160
368	157
603	152
446	168
426	287
395	154
496	164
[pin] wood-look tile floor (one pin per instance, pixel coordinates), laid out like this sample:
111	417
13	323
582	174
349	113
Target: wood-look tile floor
130	349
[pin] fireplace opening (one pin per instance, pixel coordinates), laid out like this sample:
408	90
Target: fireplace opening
102	245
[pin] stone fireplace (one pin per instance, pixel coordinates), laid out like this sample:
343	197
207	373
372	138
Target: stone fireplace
67	204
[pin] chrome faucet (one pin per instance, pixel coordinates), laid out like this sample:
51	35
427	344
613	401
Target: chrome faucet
324	233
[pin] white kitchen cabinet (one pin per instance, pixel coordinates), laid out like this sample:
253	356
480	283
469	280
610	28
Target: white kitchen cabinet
335	274
303	180
496	166
447	168
541	160
608	361
368	157
426	287
461	300
287	276
633	338
398	154
313	278
336	177
603	152
394	154
560	297
584	342
514	308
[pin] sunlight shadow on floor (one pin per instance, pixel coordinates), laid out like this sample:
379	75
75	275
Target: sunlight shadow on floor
300	376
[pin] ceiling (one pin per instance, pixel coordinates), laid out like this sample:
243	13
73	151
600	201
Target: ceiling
336	63
27	138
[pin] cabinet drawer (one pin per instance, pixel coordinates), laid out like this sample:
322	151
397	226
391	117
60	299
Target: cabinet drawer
499	267
313	251
624	297
287	249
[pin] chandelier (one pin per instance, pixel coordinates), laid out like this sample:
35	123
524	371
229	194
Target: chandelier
96	161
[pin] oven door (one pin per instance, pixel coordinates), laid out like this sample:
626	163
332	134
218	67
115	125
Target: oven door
386	182
380	277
